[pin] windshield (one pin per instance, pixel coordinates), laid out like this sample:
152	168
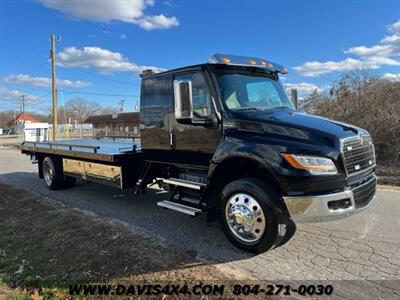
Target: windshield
251	91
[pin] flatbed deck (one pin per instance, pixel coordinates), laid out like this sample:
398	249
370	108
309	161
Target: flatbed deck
104	149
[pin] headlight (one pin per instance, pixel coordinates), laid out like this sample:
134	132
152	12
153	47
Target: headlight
316	165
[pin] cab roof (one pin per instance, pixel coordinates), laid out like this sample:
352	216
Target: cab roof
226	59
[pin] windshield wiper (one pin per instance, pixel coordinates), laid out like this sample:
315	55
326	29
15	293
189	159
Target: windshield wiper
246	108
282	106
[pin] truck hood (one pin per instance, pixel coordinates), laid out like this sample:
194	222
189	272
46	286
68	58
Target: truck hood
295	125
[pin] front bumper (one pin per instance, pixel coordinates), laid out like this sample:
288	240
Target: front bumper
329	207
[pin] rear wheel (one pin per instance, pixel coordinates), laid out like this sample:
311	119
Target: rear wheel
52	173
252	215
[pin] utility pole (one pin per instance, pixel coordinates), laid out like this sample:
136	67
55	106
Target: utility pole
23	109
122	105
53	84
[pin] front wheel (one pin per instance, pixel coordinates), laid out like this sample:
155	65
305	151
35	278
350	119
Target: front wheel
252	215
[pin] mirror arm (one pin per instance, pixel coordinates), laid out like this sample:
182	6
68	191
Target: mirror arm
209	122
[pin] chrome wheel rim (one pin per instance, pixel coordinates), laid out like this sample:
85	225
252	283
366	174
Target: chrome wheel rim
48	174
245	218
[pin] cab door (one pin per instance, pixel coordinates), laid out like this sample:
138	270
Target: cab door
195	141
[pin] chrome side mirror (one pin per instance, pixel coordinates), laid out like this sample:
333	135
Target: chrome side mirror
183	100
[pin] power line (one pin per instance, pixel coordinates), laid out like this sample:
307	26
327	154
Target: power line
28	97
99	76
45	95
101	94
36	100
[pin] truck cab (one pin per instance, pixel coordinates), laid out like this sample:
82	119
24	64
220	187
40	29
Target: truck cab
229	123
224	139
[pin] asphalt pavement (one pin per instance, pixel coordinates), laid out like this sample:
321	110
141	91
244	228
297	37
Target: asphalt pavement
360	254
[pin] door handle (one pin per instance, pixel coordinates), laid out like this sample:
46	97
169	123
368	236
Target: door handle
171	139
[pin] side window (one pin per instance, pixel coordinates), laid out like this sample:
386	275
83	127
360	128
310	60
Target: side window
200	93
155	100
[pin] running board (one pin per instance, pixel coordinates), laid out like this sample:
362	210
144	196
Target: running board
192	211
184	183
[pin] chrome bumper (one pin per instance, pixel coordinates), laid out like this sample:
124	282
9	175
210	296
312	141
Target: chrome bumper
316	209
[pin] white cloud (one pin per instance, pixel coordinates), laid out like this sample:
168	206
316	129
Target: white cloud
150	2
123	36
102	60
373	57
168	3
395	27
128	11
160	21
44	81
392	77
302	87
315	68
15	96
389	46
377	50
391	39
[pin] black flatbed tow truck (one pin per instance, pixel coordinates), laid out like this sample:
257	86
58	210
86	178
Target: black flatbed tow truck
223	138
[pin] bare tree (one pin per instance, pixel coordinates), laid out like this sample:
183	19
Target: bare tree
78	109
361	98
5	117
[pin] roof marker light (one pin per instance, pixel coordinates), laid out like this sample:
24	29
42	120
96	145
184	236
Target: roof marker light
246	61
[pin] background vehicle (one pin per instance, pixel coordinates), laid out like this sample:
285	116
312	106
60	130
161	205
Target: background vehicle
224	139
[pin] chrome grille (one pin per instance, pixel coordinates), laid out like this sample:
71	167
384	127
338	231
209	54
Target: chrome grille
358	154
364	193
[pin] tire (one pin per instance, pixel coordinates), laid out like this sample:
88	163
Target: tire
252	215
52	173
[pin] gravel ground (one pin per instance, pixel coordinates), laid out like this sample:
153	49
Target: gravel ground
359	255
47	245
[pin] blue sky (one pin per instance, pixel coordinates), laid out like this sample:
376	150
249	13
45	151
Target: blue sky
105	44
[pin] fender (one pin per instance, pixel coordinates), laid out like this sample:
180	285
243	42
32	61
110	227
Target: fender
268	156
